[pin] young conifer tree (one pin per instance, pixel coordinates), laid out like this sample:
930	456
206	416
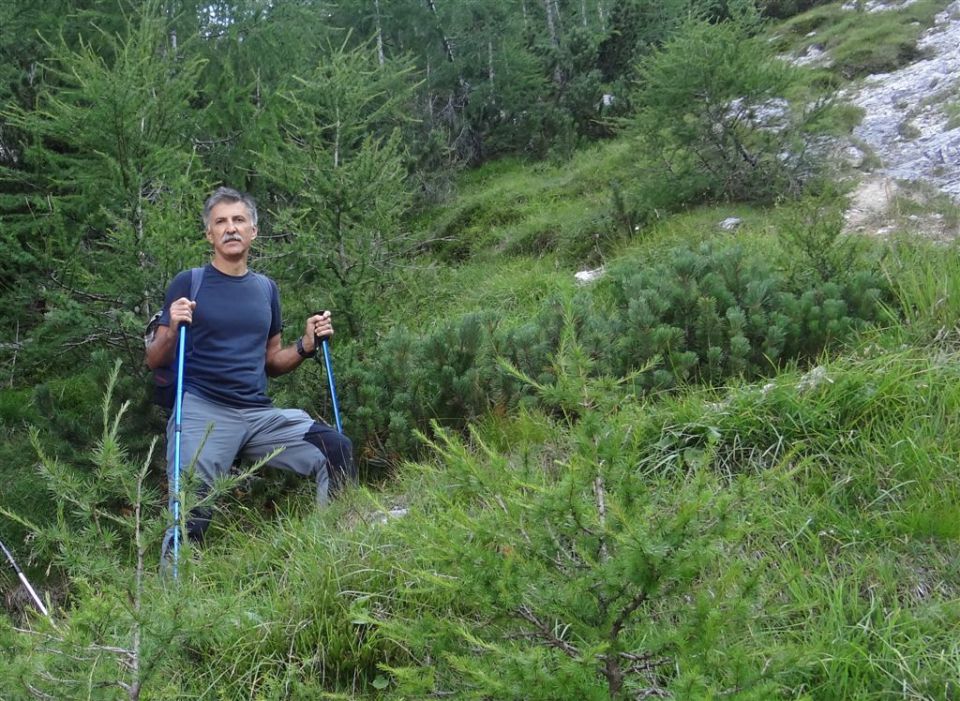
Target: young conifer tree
567	574
336	169
106	526
111	185
712	108
119	621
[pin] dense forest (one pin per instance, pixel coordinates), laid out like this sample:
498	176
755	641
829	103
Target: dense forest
641	487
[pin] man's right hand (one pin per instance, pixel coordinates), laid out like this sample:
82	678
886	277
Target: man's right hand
181	312
160	353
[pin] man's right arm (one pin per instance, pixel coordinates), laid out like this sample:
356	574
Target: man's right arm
160	353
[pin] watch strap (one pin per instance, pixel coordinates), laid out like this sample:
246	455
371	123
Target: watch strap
302	352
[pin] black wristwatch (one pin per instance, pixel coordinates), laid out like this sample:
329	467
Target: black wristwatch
301	352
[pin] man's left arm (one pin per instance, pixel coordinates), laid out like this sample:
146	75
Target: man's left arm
281	360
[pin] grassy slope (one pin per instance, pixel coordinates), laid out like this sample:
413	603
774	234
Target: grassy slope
798	537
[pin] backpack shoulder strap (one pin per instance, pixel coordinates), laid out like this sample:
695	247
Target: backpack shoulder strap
196	279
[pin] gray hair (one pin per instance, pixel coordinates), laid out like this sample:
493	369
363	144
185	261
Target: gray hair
228	194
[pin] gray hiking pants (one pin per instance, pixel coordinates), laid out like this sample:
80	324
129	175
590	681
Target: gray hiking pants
213	435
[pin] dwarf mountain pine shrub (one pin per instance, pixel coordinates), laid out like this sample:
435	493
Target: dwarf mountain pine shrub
718	312
697	315
440	375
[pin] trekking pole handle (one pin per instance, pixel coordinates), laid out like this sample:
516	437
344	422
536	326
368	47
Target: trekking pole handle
318	338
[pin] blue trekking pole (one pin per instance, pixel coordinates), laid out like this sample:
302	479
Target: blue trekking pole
333	389
325	344
176	449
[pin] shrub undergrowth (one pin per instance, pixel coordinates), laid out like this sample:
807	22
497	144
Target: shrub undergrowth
703	314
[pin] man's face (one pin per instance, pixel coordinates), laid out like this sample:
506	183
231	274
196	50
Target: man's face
231	230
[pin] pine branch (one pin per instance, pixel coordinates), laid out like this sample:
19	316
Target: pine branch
83	294
573	559
92	647
37	694
545	633
46	676
600	491
638	600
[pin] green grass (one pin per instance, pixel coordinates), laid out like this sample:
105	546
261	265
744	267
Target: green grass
804	538
926	282
511	288
952	110
537	210
924	201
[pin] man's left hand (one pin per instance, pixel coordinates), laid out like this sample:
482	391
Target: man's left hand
318	326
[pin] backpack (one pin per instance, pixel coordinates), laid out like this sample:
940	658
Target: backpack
165	378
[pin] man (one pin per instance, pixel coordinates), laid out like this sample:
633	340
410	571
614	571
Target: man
232	345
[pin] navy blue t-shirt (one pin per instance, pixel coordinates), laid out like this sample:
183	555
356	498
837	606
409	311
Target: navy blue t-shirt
226	345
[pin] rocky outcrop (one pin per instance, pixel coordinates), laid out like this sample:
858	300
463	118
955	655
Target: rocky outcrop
907	124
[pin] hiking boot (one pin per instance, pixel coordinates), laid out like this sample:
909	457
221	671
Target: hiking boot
166	553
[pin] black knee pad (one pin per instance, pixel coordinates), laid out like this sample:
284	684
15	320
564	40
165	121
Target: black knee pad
338	450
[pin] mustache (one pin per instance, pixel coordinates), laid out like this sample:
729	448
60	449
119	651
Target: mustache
232	237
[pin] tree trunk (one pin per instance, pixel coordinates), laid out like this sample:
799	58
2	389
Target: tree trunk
553	27
447	45
551	24
170	13
376	7
429	94
135	666
490	72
